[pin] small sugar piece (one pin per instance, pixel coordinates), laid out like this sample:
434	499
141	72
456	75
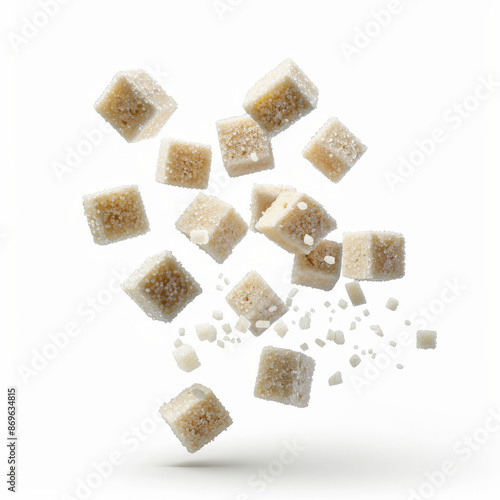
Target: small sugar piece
224	226
289	302
342	304
280	328
186	358
238	340
281	97
327	304
232	341
226	281
252	298
353	325
304	346
161	287
226	327
375	256
293	291
399	366
206	332
363	352
335	379
135	105
356	346
377	330
242	325
392	343
184	164
356	295
244	146
392	304
219	287
313	271
262	324
220	343
320	342
370	351
407	322
196	417
305	322
354	360
226	338
334	150
366	312
295	308
263	196
115	214
182	332
426	339
374	355
178	343
199	236
357	318
337	336
217	315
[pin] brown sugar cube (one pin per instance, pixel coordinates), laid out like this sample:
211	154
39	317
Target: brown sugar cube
281	97
196	417
135	105
244	146
375	256
213	225
115	214
161	287
296	222
184	164
334	150
320	268
284	376
257	302
263	196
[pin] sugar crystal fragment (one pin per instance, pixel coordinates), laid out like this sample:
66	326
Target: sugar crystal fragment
355	293
186	358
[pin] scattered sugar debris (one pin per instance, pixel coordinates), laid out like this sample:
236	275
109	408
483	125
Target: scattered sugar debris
305	322
354	360
289	302
219	287
357	318
320	342
220	344
293	292
217	315
366	312
295	308
280	328
399	366
227	328
407	322
226	338
327	304
206	332
182	332
353	325
335	379
370	351
242	325
226	281
363	352
178	343
392	304
221	276
356	346
377	330
337	336
374	355
343	304
304	346
392	343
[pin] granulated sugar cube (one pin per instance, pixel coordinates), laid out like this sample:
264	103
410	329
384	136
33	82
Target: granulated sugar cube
335	379
392	304
245	147
371	255
186	358
294	229
206	332
263	196
161	287
224	226
184	164
314	270
356	295
135	105
284	376
115	214
252	298
334	150
426	339
196	417
281	97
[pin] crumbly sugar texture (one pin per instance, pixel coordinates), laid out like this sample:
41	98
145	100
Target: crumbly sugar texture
356	295
135	105
224	226
281	97
314	271
161	287
115	214
373	255
244	146
426	339
284	376
196	417
293	228
186	358
334	150
184	164
256	301
263	196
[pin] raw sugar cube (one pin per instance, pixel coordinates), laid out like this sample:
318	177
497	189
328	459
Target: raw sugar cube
315	269
295	229
254	299
284	376
224	226
244	146
426	339
186	358
334	150
263	196
372	255
161	287
184	164
135	105
281	97
356	295
196	417
115	214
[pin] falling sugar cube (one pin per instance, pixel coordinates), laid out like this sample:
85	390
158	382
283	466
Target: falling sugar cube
426	339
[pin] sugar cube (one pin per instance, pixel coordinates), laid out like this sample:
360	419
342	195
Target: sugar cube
263	196
334	150
245	147
224	225
252	298
115	214
287	225
196	417
281	97
206	332
426	339
135	105
371	255
284	376
356	295
161	287
186	358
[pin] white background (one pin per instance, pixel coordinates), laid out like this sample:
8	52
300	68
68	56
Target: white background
84	404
